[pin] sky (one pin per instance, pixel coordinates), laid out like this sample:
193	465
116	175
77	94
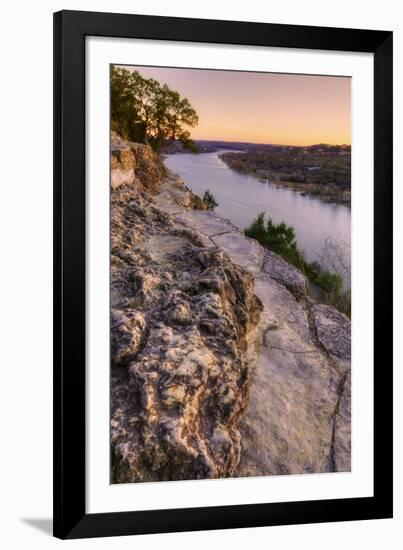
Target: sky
275	108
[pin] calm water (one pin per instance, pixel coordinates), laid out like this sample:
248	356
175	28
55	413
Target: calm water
242	197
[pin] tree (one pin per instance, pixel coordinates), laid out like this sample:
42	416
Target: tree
178	113
144	111
209	200
280	238
131	104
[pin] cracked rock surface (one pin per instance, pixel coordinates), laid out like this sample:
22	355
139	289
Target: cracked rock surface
298	418
182	313
221	363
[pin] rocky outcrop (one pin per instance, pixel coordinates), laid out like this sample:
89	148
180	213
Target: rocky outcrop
285	274
135	165
221	363
182	313
333	330
298	419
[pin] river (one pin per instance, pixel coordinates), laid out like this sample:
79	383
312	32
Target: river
241	197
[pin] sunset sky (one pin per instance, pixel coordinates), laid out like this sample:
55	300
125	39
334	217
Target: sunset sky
263	107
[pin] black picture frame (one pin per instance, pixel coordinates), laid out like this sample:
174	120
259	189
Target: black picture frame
70	517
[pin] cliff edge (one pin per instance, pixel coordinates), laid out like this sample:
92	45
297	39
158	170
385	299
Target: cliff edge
180	320
221	363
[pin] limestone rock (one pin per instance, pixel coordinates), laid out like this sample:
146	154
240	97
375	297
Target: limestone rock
182	313
244	251
127	329
334	331
135	164
175	198
298	417
221	363
189	383
341	441
205	222
286	274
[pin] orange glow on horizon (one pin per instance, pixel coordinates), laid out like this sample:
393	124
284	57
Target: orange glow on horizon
274	108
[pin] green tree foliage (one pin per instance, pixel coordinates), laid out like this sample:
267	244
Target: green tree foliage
279	238
209	200
144	111
329	282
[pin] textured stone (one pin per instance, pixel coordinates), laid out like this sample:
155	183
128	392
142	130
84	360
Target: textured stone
205	222
243	251
175	198
221	364
134	164
286	274
127	329
297	420
334	331
189	383
341	442
181	315
288	426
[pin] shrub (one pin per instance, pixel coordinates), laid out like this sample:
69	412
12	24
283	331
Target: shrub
209	200
329	282
280	238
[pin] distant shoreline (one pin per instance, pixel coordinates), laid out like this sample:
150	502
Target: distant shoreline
322	172
304	189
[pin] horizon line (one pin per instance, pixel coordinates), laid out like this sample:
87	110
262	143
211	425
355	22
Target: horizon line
272	144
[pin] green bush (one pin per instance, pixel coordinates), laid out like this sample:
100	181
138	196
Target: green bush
329	282
209	200
280	238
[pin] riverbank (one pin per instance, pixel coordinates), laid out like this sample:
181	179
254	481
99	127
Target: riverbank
241	198
324	193
302	373
306	180
222	365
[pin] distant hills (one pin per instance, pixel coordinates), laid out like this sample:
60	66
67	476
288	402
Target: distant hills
212	146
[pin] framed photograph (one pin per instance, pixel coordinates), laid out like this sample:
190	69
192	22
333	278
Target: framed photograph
223	274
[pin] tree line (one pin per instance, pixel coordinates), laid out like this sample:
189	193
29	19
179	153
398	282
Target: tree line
144	111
